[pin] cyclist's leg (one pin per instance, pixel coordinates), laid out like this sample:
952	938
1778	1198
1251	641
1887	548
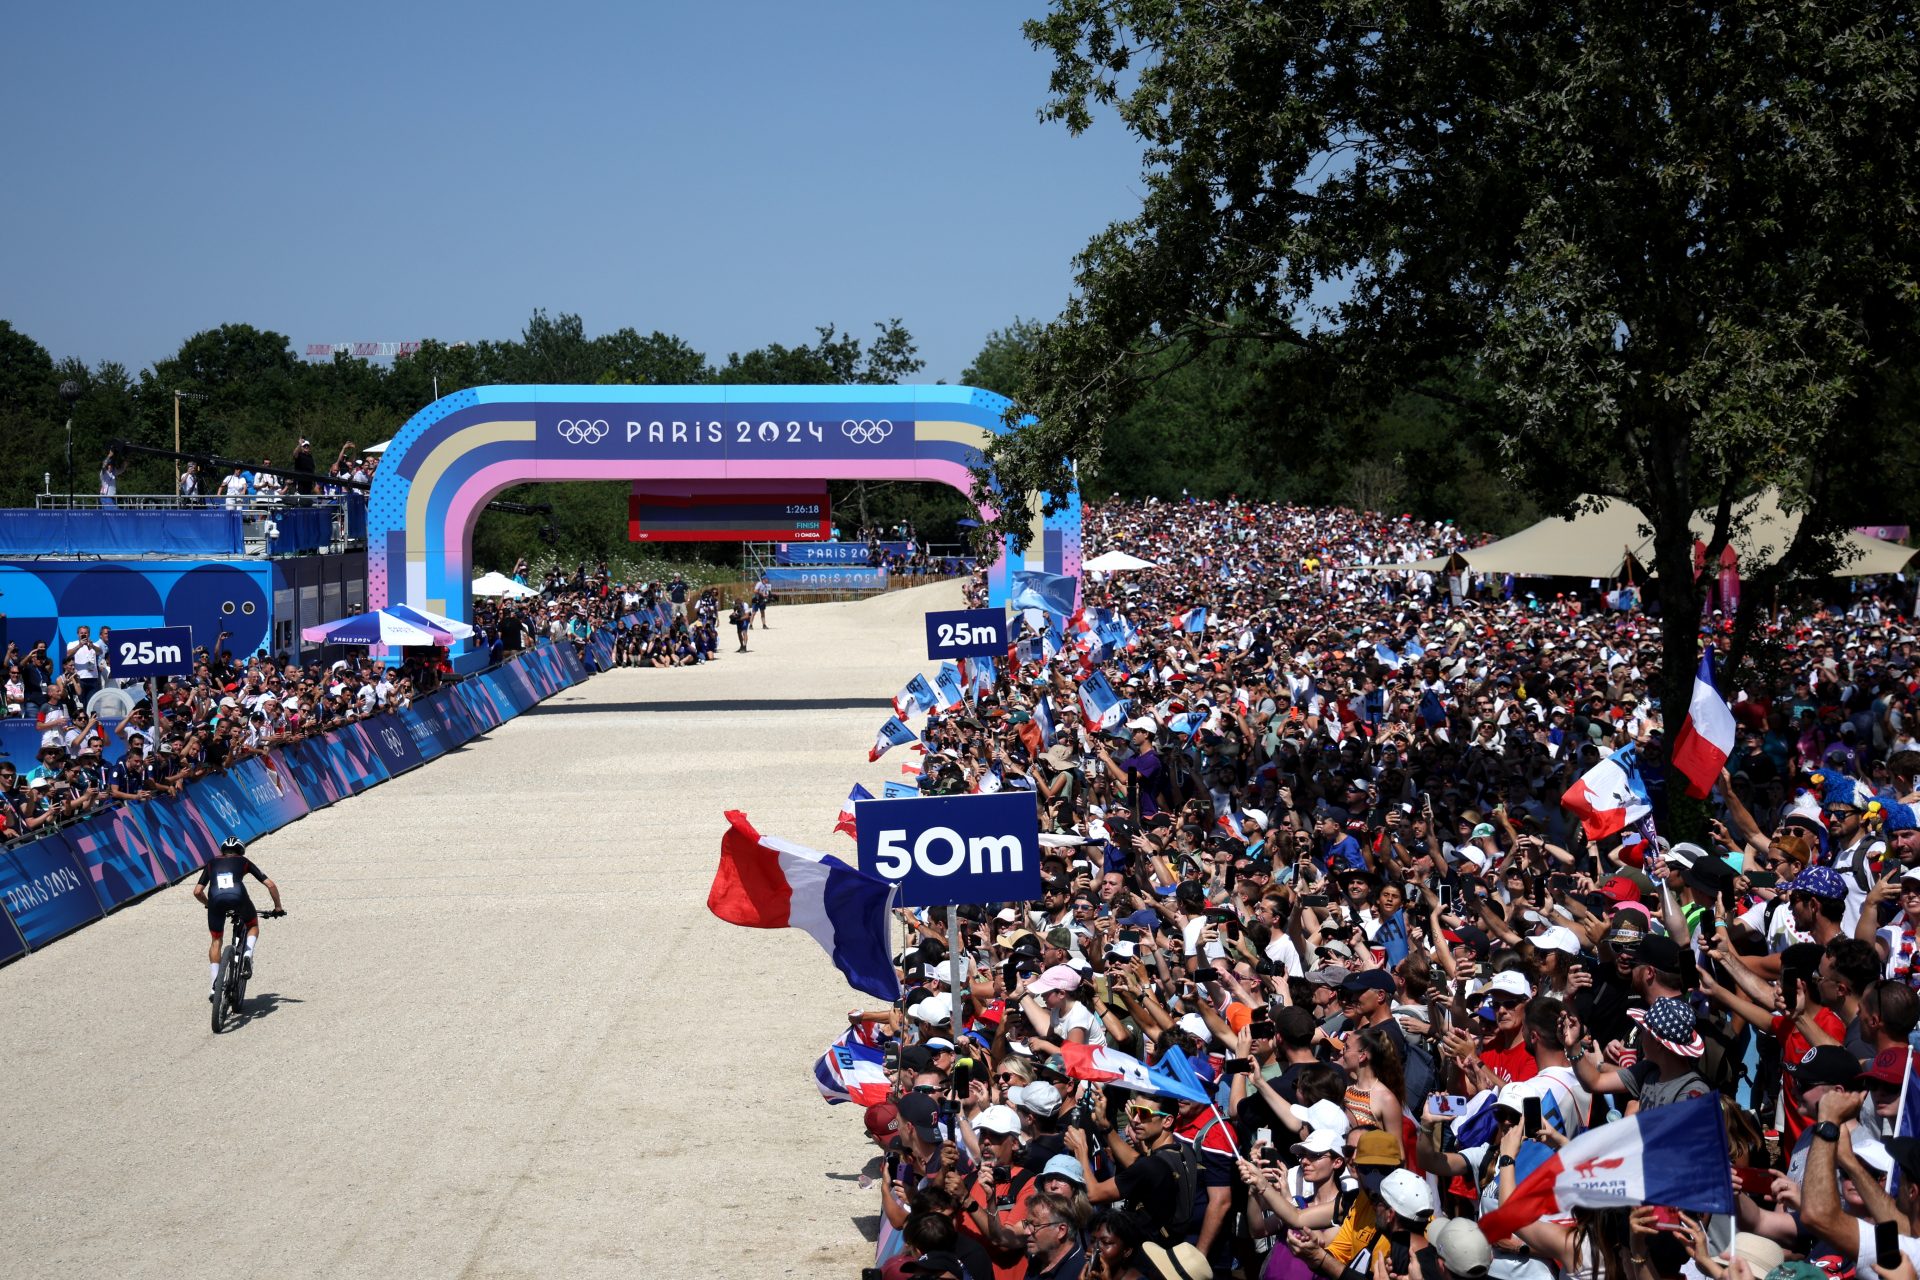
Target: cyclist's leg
252	918
216	926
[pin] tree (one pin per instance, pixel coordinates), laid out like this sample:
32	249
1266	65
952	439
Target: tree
659	359
1002	363
1660	254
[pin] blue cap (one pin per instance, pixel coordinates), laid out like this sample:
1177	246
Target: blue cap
1838	788
1821	882
1064	1166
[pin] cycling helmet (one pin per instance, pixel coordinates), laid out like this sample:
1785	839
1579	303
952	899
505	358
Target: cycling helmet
233	844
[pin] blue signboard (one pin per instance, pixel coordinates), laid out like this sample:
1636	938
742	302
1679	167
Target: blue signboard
11	947
855	553
44	890
947	849
828	579
966	633
151	652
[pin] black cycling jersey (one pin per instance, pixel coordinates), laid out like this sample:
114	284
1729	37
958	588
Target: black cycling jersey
225	877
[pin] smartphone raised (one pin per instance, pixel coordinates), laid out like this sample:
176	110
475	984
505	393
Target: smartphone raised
1530	1116
1886	1244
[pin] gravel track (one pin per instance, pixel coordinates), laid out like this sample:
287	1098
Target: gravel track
499	1035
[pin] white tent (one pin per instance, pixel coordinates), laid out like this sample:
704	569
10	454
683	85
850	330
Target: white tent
1597	543
1114	562
499	584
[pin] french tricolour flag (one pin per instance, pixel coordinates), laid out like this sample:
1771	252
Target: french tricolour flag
850	1071
1674	1155
1110	1066
1193	621
768	883
1043	720
1102	708
854	796
1705	739
1610	797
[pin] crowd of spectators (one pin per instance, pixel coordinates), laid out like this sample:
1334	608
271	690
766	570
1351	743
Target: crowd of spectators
234	706
1324	857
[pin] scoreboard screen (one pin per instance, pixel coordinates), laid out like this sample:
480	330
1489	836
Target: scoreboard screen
730	517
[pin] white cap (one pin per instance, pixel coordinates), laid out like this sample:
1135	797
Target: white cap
1509	982
1317	1142
1407	1194
1196	1026
1556	937
1040	1098
934	1009
998	1118
1327	1115
1462	1246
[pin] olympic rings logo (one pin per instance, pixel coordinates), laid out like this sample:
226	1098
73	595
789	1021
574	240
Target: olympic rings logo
582	431
867	430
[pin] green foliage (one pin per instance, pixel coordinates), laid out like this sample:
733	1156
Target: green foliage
244	394
1662	254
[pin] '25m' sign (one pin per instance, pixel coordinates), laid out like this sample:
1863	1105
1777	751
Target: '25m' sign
950	849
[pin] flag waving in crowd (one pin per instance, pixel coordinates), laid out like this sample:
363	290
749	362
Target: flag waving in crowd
845	821
767	883
1706	736
1674	1155
894	733
1610	797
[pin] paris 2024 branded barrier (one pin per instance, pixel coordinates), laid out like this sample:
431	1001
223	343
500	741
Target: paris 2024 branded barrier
62	881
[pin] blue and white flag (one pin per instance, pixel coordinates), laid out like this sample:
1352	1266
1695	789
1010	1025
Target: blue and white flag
899	791
894	733
1033	589
917	698
850	1071
947	686
1102	708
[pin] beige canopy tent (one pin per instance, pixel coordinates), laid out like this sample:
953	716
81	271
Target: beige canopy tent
1597	543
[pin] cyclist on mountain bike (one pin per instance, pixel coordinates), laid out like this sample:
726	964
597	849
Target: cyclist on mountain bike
223	888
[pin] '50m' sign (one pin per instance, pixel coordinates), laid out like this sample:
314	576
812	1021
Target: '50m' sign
947	849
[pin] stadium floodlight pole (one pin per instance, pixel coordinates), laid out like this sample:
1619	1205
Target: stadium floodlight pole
70	392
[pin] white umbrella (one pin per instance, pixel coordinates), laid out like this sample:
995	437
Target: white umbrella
452	626
499	584
377	448
377	627
1114	561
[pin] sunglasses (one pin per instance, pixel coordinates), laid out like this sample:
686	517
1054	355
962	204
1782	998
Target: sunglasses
1507	1002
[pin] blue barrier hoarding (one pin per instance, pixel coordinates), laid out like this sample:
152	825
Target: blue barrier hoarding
389	738
44	891
966	633
178	834
275	799
831	578
66	879
113	853
151	653
946	849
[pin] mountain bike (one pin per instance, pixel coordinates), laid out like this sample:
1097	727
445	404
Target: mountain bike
230	983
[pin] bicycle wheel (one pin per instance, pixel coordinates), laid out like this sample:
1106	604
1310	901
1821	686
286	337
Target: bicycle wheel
220	989
239	1002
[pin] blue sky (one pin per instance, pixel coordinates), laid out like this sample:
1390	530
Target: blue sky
736	173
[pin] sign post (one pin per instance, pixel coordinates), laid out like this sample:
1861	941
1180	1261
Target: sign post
945	850
966	633
148	652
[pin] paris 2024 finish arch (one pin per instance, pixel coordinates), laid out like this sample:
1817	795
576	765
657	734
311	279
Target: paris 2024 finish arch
455	455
